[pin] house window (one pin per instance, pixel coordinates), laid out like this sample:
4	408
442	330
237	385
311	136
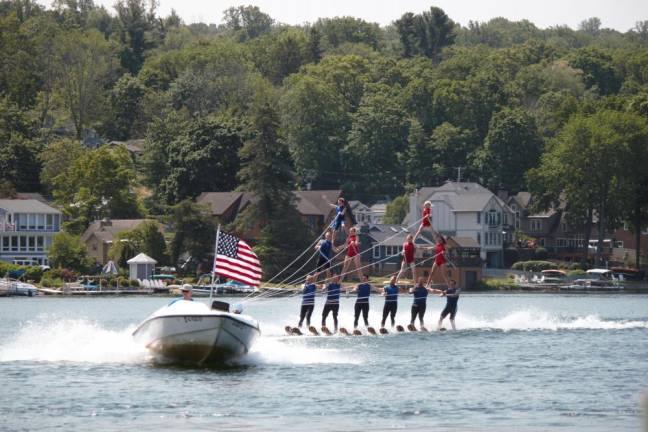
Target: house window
32	221
478	218
40	222
376	251
536	225
479	238
22	221
14	244
40	243
32	243
618	244
6	244
23	244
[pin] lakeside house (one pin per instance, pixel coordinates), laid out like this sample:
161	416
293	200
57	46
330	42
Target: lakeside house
466	210
100	235
27	227
313	206
374	214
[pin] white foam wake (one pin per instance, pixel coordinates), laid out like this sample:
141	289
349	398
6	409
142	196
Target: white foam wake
74	340
269	350
541	320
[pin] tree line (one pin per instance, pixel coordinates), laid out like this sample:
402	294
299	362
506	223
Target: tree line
257	105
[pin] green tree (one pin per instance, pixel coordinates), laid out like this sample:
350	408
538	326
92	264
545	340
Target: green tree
512	147
135	30
146	238
598	69
125	98
377	146
266	174
450	148
396	210
83	65
314	122
281	54
340	30
194	234
58	158
591	26
19	150
426	33
99	184
68	251
247	22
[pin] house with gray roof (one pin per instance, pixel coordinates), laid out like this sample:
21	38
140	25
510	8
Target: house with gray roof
27	227
463	210
313	206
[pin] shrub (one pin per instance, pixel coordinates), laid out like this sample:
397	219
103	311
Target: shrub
46	283
534	266
113	282
34	274
103	283
134	283
576	266
576	273
123	282
541	253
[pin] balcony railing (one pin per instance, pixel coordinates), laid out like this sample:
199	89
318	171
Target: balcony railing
7	227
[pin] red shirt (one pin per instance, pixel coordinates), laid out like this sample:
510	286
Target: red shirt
352	247
439	251
426	216
408	252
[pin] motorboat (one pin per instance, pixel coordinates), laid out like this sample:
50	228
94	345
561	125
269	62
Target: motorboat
204	288
192	332
553	277
596	280
13	287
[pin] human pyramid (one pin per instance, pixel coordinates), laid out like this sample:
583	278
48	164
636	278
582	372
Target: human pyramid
332	283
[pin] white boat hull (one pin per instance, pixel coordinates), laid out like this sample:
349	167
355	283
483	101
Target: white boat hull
197	334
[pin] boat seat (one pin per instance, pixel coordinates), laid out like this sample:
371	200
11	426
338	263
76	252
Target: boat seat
220	305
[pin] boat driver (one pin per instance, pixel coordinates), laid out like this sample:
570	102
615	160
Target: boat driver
187	291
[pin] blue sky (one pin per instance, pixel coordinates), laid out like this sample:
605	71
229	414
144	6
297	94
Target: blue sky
618	14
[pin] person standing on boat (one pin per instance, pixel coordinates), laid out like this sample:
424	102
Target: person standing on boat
420	292
308	301
332	301
451	294
352	257
187	294
390	292
324	249
409	250
362	303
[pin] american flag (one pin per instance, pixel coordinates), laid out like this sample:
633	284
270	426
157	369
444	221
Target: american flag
235	260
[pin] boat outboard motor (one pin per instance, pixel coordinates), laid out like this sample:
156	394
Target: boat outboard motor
238	308
220	306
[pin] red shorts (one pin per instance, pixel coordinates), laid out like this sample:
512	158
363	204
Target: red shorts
351	252
439	260
426	222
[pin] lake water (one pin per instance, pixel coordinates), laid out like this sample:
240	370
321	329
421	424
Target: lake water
523	362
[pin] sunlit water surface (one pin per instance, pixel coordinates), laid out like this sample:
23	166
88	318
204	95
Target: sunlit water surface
518	362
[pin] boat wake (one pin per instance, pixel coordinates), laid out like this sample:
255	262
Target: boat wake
75	340
48	339
541	320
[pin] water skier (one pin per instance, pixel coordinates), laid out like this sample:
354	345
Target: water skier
332	302
426	220
409	250
338	219
308	301
390	292
420	292
352	257
451	294
362	303
439	258
324	248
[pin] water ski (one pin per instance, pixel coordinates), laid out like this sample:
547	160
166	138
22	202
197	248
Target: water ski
326	331
357	332
371	330
399	328
313	331
383	330
423	329
411	327
442	329
288	330
296	331
344	331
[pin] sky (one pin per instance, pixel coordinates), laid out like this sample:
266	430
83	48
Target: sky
617	14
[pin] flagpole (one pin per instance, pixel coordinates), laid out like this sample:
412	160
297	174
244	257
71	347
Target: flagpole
211	288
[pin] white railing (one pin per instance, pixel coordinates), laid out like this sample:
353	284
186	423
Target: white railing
6	226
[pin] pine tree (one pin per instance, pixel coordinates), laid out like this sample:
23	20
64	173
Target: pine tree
267	175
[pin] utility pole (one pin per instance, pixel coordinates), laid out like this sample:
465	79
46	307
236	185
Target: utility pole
458	173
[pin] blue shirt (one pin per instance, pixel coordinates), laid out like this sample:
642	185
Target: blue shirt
333	293
391	292
338	212
308	294
364	291
420	295
325	249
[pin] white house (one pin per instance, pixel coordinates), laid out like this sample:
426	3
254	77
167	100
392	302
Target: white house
466	210
26	230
